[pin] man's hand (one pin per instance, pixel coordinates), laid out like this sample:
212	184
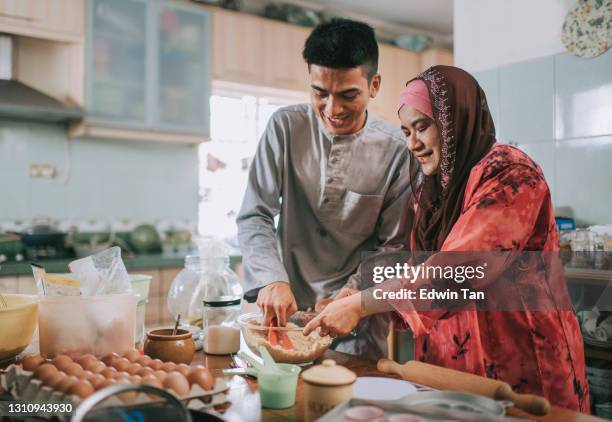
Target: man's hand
344	292
338	318
276	301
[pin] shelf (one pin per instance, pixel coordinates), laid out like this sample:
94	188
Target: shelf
594	353
588	276
83	130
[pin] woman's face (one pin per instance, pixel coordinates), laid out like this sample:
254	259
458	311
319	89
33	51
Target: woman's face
422	138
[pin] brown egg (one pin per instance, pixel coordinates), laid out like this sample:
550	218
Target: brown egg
143	372
152	381
81	388
109	372
182	368
54	379
30	363
135	379
144	360
177	382
62	361
109	359
73	369
86	360
44	371
66	383
123	377
132	355
95	367
85	375
160	375
133	369
96	380
106	383
169	366
121	364
156	364
202	377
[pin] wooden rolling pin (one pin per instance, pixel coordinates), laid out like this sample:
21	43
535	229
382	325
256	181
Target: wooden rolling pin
449	379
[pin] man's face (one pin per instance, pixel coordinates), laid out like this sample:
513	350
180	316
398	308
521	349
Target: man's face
341	97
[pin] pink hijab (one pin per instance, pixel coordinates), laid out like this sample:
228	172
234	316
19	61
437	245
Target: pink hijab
416	95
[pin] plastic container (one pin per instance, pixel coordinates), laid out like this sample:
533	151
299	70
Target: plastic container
140	286
204	277
75	325
17	324
277	391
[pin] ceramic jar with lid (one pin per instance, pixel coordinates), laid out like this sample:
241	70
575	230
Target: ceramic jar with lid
325	386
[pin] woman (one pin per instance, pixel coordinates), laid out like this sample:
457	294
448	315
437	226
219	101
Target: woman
476	195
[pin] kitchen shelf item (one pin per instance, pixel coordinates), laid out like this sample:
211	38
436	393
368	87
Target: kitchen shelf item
325	386
177	348
207	276
141	284
18	322
300	349
75	325
449	379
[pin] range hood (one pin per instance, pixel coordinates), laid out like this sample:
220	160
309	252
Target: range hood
21	102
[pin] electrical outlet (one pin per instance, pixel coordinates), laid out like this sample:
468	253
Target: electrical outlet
44	171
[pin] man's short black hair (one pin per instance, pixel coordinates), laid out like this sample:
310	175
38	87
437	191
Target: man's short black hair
343	44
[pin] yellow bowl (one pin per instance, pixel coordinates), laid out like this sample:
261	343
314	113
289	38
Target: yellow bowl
17	324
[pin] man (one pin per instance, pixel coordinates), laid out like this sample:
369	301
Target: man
338	179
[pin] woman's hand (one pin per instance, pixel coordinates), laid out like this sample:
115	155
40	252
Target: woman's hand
338	318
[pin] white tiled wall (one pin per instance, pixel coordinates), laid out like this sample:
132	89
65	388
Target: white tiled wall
558	109
109	180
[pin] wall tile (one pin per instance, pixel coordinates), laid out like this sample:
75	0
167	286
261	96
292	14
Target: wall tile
583	96
489	81
582	178
526	97
109	180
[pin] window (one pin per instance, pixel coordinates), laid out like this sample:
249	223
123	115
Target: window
238	118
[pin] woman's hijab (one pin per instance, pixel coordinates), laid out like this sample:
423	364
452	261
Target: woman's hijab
460	111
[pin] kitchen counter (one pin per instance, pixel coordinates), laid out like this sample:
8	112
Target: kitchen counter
245	404
138	262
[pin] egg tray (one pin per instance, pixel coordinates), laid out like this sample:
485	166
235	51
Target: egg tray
22	386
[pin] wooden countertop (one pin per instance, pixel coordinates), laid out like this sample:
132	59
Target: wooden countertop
245	404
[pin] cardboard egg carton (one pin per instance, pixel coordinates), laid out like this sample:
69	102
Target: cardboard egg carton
23	386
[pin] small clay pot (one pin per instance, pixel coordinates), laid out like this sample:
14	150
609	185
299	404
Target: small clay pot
178	348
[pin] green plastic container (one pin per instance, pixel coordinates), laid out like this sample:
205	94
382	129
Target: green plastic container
277	391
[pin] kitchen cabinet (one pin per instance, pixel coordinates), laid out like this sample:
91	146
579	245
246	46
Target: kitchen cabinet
435	56
55	20
283	63
237	47
396	67
147	71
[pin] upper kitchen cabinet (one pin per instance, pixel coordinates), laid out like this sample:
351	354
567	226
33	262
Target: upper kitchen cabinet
147	71
257	51
54	20
396	67
436	56
237	47
284	66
